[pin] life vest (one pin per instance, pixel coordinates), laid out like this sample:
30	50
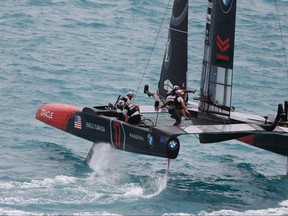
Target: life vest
177	101
170	99
170	102
131	110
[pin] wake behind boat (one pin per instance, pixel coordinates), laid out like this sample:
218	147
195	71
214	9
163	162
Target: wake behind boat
211	113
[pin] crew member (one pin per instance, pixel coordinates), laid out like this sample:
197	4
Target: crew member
128	112
129	97
128	100
183	91
132	114
173	91
120	114
180	103
176	106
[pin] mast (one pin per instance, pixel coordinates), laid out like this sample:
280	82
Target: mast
174	66
217	68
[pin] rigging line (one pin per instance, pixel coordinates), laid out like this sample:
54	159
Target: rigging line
196	136
285	57
152	49
287	167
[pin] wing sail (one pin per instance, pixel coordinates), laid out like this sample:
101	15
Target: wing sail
217	69
174	66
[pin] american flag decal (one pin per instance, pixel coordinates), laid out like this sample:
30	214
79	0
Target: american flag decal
77	122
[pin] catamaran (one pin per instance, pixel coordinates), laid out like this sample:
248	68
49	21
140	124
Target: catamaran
212	116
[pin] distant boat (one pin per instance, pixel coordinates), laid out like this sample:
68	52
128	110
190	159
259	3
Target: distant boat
212	116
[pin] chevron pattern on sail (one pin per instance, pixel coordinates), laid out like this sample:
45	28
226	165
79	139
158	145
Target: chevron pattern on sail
217	69
174	66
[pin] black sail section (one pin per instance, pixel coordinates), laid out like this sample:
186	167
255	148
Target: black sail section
174	66
217	69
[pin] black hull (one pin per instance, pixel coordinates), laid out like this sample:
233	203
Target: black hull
98	125
273	141
270	141
99	128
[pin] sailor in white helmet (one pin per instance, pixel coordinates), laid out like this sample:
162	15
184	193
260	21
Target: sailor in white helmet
128	111
128	99
120	114
176	106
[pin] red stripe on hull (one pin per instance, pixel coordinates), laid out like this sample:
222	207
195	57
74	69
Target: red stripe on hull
247	139
56	115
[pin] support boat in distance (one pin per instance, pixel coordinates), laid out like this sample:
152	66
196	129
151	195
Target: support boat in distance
211	114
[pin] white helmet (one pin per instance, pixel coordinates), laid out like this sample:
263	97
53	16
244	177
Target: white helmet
130	95
120	103
176	87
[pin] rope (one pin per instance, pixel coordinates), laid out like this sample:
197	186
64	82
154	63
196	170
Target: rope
285	57
152	50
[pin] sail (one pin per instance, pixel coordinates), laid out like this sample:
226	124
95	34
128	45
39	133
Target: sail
174	66
217	68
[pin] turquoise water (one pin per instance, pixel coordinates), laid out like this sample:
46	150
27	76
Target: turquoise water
86	52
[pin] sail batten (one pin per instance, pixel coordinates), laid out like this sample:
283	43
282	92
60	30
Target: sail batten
177	30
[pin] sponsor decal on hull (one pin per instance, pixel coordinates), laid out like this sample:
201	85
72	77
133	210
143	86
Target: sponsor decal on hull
150	140
136	136
117	135
57	115
95	127
46	113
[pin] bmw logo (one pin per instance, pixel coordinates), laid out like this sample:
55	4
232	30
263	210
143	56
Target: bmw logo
150	141
226	2
226	5
173	145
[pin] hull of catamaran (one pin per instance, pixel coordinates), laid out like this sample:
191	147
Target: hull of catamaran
97	124
275	141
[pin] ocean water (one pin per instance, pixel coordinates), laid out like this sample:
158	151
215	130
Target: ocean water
87	52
